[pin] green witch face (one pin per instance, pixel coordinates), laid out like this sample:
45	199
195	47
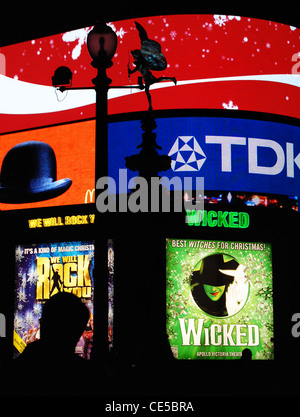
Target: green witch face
213	292
210	281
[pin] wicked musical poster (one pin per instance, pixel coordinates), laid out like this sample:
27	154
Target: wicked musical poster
219	299
43	270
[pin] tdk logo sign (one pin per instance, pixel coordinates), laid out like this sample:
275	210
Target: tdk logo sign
187	154
230	153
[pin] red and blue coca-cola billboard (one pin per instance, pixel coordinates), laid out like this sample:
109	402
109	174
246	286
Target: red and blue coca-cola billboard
221	62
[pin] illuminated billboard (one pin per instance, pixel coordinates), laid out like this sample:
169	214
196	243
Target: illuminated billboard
219	62
24	158
230	153
219	299
43	270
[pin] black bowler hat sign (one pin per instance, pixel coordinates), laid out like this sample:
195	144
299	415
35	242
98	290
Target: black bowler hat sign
28	174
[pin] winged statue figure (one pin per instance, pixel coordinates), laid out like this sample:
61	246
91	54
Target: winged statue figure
149	58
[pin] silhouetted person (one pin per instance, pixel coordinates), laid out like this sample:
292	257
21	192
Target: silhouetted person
56	281
50	364
246	355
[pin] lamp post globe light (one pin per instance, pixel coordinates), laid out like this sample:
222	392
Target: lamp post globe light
102	36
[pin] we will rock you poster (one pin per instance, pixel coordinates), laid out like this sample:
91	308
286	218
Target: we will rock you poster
43	270
219	299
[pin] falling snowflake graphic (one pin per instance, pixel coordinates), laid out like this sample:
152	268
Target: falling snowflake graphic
120	33
78	36
33	277
173	34
230	105
37	310
23	281
29	319
222	19
19	254
21	295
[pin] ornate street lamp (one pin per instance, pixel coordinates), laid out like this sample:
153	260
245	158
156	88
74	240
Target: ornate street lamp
102	45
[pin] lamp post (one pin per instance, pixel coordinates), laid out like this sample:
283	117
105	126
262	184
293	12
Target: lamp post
101	44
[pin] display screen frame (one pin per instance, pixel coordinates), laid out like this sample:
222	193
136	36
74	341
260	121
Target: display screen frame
218	338
218	52
31	281
264	185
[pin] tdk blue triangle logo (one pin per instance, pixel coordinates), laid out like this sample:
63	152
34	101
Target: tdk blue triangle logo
186	154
